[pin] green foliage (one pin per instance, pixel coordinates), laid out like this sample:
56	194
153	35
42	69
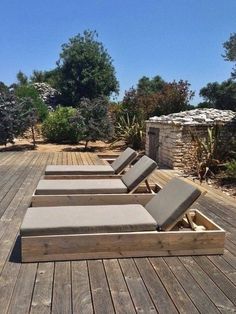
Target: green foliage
207	146
57	128
210	151
156	97
230	51
85	70
49	77
231	169
22	79
3	88
147	86
15	117
131	131
220	95
93	118
35	102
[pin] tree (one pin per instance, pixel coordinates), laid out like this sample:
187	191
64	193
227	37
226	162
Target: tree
29	91
157	97
85	70
15	118
230	51
147	86
220	95
22	79
49	77
38	76
3	88
174	97
93	115
35	107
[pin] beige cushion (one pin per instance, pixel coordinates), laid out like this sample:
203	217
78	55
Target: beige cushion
139	172
86	219
78	169
124	160
172	202
90	186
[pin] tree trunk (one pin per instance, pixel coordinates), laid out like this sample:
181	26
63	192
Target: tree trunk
33	135
86	145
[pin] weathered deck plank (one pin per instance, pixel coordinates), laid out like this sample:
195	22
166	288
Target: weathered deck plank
185	284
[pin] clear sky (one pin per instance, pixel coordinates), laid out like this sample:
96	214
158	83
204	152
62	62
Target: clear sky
176	39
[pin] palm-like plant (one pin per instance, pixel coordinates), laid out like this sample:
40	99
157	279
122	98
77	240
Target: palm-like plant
130	130
206	152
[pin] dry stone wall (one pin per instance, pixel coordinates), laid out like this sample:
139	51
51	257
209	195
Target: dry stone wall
176	148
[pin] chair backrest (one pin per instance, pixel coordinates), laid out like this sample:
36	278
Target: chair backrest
124	160
139	172
172	202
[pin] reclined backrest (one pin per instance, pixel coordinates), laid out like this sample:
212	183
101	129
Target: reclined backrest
139	172
124	160
172	202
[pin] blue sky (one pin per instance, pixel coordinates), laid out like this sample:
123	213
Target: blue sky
176	39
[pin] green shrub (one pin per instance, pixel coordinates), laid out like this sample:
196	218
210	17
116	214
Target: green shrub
131	131
92	119
57	128
29	92
231	169
15	116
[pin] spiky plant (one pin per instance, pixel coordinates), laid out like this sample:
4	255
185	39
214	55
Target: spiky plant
131	131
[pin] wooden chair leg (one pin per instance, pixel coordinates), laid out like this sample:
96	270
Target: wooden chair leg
149	189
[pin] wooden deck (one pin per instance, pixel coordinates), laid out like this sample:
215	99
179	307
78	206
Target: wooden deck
205	284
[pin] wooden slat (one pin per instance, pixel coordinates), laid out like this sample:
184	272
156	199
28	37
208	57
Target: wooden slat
62	288
21	299
216	275
125	244
198	297
120	295
208	285
140	296
81	294
89	199
174	288
102	301
153	283
42	294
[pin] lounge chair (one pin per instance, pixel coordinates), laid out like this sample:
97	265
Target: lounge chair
113	231
126	184
116	167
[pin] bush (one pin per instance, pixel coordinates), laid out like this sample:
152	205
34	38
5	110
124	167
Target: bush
92	118
15	117
131	131
231	169
57	128
29	92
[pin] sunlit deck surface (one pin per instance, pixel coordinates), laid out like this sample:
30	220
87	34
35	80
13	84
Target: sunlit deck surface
204	284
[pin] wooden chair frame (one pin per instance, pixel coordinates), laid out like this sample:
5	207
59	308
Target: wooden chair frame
126	244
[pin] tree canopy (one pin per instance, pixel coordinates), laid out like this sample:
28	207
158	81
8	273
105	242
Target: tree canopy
93	115
85	70
230	51
219	95
157	97
15	116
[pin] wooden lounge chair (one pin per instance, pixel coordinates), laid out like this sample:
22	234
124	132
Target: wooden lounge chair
114	231
126	184
116	167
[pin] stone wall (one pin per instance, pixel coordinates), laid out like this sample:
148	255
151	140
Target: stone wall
170	144
177	149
